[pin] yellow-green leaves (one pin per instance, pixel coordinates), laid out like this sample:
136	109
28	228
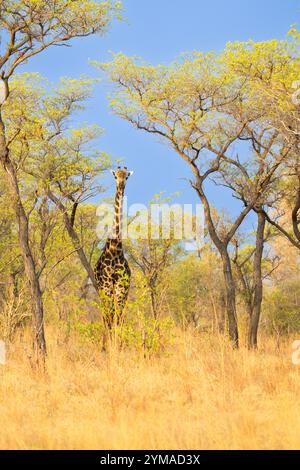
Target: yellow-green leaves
44	144
207	101
270	71
184	102
34	25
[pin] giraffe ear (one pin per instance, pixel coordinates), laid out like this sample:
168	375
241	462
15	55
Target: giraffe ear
130	173
113	173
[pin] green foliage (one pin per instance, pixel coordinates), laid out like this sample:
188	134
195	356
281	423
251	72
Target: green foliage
195	289
90	332
282	309
147	335
31	26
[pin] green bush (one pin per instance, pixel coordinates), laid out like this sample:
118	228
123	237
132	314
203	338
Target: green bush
282	310
148	335
90	332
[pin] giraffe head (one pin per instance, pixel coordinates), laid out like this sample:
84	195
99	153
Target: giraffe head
121	177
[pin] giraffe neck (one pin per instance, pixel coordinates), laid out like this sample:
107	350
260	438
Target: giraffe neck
118	214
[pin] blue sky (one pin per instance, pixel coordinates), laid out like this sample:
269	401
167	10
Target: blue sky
159	30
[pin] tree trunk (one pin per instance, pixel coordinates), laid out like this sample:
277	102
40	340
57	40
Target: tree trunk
153	302
23	228
75	239
257	281
296	209
230	298
221	316
229	283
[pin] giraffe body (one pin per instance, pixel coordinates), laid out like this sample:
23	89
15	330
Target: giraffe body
112	274
112	270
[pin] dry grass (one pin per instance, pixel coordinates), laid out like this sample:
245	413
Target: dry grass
200	396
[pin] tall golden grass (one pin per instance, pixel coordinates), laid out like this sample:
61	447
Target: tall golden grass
199	395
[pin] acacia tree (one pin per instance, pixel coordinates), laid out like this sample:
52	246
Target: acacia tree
153	255
285	214
272	69
28	28
203	113
57	165
66	165
253	265
266	164
194	291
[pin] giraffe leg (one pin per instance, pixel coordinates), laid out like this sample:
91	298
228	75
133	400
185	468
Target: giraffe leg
120	297
108	308
108	321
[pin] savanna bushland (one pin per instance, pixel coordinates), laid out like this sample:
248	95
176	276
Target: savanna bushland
206	355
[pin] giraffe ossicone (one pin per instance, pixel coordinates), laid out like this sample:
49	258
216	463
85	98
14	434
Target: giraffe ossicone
112	270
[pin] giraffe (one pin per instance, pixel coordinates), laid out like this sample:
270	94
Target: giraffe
112	271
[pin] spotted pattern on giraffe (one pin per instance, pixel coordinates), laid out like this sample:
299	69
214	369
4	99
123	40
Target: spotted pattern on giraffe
112	271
